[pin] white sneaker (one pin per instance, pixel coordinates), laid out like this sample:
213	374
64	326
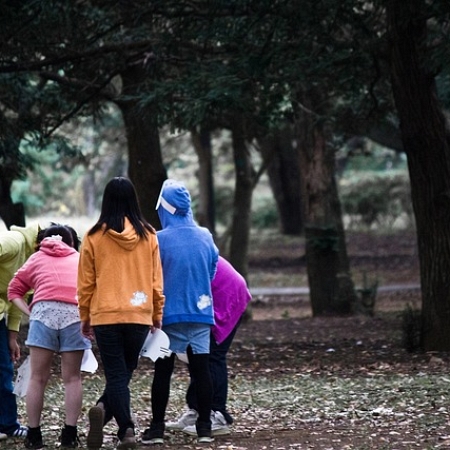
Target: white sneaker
187	419
3	436
219	426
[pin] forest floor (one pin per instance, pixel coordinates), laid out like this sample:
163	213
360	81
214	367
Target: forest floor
298	382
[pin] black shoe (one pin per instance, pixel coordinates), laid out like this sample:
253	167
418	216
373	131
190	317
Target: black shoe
128	441
34	439
204	435
154	434
96	416
69	437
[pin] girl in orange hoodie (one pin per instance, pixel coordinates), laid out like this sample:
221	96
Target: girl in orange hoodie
120	295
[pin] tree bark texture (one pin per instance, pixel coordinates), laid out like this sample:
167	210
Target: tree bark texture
145	165
11	213
426	142
240	229
205	215
284	177
331	287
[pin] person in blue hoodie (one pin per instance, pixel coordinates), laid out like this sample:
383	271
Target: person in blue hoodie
189	261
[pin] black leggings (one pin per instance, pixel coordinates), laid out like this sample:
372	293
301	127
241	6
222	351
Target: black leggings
199	367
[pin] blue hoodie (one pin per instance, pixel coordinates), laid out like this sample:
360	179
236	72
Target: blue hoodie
188	256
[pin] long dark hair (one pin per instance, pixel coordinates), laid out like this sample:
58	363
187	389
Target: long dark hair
120	201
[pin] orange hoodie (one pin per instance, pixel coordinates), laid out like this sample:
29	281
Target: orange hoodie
120	278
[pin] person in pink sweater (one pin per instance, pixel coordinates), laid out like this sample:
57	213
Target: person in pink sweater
54	327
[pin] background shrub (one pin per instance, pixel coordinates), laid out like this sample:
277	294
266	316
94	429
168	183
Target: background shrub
376	199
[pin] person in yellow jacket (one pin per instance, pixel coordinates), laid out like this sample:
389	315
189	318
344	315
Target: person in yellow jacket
120	297
16	245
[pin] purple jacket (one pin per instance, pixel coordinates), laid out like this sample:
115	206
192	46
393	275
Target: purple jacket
230	298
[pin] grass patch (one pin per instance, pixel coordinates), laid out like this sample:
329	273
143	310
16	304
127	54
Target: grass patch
373	403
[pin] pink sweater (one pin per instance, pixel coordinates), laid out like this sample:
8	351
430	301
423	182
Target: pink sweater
51	272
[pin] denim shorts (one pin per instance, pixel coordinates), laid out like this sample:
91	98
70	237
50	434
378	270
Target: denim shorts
67	339
181	335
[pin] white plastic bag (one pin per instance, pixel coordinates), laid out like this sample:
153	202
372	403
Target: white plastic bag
89	362
22	378
156	345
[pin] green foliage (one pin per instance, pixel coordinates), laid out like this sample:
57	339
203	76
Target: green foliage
73	165
264	213
197	63
13	163
33	202
49	188
376	198
202	63
369	158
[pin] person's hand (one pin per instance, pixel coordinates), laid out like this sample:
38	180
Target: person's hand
14	348
86	330
156	324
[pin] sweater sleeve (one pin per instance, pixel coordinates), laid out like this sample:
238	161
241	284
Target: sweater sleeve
86	279
158	296
21	283
14	317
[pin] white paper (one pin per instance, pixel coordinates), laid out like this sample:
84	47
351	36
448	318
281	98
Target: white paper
156	345
89	362
22	378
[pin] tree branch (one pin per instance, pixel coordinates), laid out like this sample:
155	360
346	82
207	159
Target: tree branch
32	66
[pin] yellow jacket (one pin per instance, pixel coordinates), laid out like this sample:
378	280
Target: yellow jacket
16	245
120	278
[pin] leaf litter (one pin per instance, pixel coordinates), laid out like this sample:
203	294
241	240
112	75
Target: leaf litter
297	382
296	395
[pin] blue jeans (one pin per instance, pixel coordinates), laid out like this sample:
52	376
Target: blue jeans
119	346
219	376
8	404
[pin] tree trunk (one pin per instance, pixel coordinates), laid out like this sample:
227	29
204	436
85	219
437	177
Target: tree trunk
284	177
426	142
205	216
145	165
240	229
11	213
331	287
